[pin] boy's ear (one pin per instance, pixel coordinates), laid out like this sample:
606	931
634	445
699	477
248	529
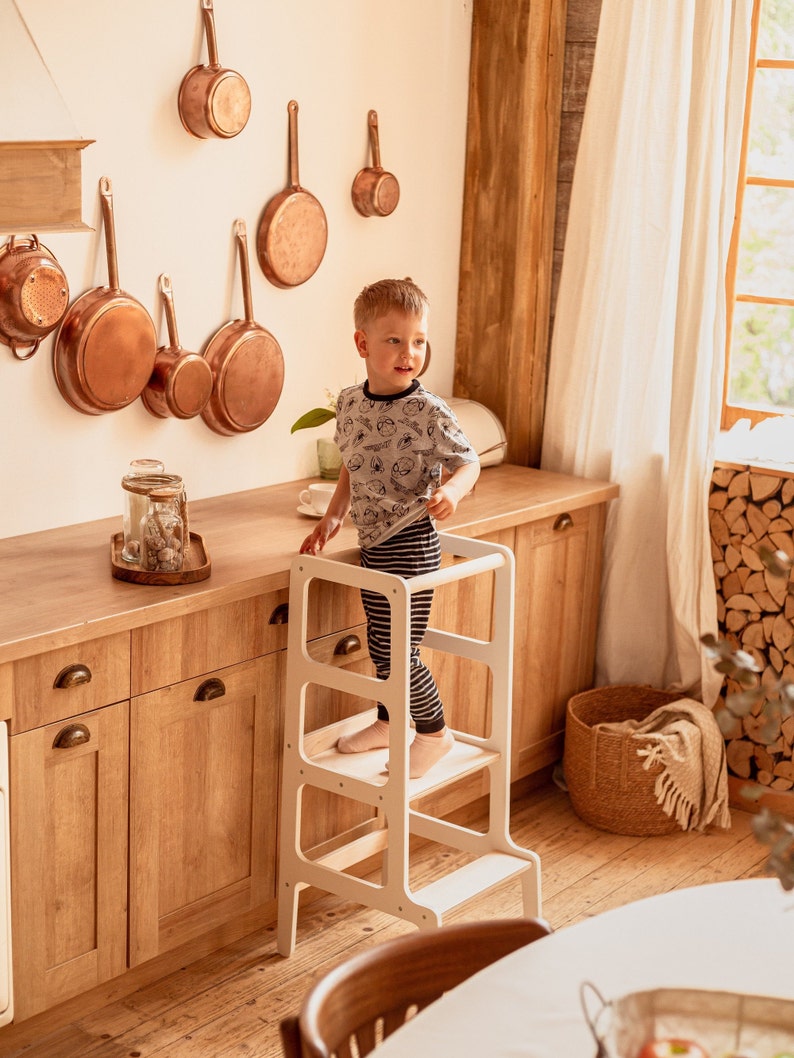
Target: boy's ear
360	338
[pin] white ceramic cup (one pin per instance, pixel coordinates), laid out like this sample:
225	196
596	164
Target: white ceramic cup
318	496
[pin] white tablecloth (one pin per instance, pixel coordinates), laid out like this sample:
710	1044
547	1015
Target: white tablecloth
728	936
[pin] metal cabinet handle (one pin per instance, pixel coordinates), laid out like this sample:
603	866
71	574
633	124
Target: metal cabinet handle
209	689
72	676
73	735
347	645
280	615
563	521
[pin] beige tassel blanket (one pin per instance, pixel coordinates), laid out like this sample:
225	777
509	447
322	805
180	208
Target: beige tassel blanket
685	739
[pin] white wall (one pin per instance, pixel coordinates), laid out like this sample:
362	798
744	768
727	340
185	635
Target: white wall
117	68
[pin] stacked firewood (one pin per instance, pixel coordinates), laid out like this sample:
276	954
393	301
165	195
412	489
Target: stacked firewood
749	508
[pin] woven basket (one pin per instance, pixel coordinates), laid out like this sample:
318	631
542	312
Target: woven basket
607	783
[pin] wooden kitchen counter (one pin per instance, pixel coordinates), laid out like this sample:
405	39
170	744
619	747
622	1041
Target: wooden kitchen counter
57	588
130	706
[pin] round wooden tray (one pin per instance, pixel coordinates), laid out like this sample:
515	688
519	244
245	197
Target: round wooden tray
197	564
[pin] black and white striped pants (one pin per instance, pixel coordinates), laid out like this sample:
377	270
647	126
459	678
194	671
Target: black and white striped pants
410	552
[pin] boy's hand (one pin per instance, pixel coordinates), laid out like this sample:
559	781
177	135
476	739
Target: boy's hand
333	519
443	502
325	529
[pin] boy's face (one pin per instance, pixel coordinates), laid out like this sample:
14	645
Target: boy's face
394	347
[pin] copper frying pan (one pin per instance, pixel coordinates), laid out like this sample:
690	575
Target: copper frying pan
247	365
375	192
105	347
213	101
293	231
181	382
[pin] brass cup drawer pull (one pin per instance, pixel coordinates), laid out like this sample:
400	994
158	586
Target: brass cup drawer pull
209	689
71	736
72	676
280	615
347	645
563	521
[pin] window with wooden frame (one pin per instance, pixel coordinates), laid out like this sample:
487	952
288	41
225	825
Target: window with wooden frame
759	372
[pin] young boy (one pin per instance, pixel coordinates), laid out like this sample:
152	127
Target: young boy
397	441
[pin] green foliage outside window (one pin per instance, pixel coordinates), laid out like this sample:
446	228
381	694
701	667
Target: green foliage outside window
762	337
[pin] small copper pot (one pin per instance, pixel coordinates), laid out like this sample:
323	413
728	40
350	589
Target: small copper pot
375	192
213	101
181	382
34	294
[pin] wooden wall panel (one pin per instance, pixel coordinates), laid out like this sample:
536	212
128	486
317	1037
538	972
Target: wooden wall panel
530	71
580	39
515	96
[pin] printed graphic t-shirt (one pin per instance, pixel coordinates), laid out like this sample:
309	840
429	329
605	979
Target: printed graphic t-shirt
394	448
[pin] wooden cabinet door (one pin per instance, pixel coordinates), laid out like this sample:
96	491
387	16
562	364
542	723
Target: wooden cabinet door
204	770
68	803
558	574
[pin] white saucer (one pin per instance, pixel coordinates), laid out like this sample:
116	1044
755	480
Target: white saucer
304	508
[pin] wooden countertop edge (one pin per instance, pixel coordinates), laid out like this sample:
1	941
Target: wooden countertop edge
504	497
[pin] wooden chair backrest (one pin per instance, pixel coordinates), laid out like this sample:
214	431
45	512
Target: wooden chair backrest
368	996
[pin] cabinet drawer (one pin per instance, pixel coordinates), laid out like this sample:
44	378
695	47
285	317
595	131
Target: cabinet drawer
546	530
61	683
178	649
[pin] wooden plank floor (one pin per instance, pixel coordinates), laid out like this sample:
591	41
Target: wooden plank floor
230	1003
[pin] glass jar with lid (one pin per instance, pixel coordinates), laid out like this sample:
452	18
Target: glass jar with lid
137	489
162	531
134	508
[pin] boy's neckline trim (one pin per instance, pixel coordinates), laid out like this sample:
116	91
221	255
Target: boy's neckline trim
415	384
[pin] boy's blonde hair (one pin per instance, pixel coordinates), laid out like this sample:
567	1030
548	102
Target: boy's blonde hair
387	294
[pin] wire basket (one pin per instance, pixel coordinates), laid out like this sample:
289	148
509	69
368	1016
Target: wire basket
725	1023
606	779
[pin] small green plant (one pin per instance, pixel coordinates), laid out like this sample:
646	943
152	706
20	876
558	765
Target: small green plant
317	416
775	701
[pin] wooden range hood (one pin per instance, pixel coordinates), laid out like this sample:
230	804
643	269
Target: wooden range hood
41	186
40	154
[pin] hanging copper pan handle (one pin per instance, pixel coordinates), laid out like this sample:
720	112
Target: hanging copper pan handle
213	101
109	221
293	231
105	348
375	192
167	292
181	382
240	234
247	364
292	117
208	17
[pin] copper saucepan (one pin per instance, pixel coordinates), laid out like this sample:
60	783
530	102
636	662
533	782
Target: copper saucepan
213	101
105	347
247	365
181	382
34	294
375	192
293	231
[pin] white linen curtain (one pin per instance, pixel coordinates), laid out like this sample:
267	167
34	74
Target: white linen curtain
635	377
